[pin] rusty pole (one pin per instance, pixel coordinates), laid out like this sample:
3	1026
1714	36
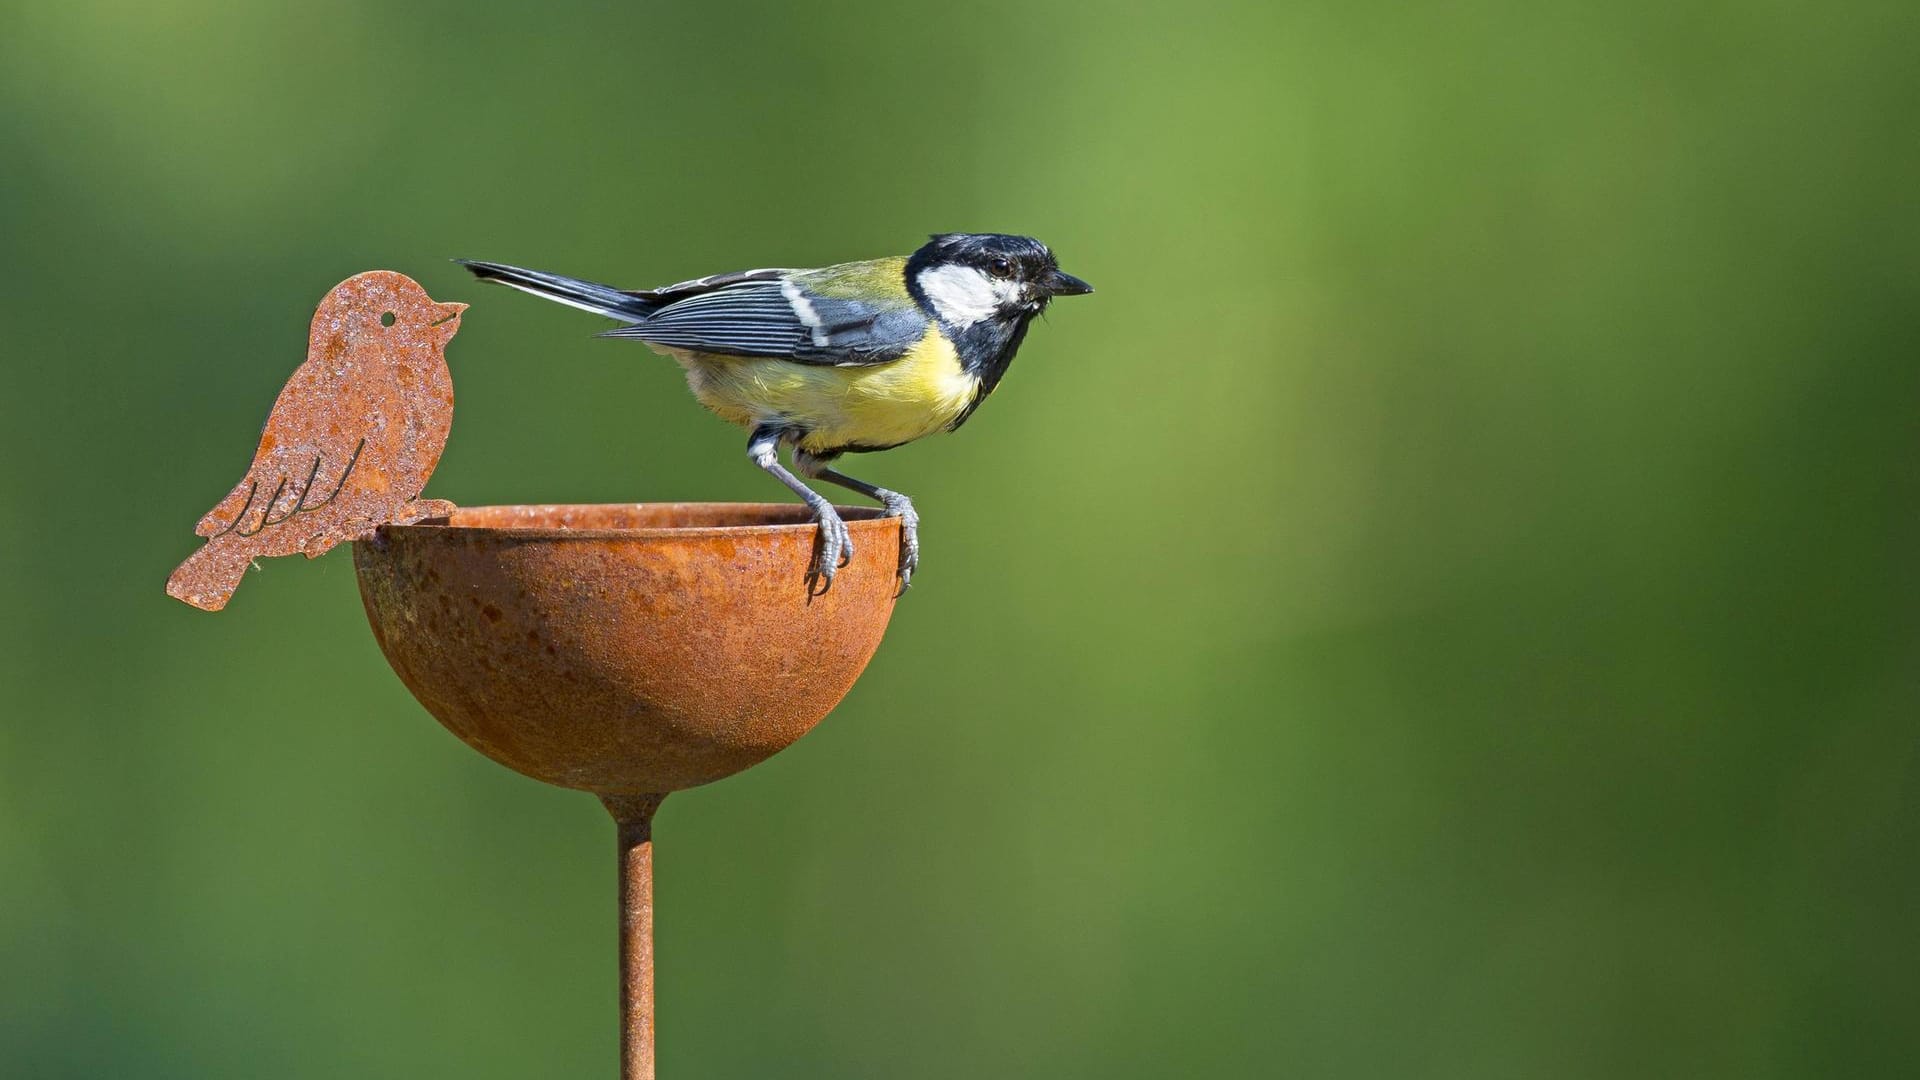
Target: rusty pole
633	817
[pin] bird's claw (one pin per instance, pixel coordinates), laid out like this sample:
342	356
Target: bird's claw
833	552
899	506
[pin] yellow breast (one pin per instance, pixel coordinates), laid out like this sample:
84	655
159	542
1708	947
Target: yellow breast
879	406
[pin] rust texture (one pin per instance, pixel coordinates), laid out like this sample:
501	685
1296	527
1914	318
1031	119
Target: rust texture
626	649
351	441
633	818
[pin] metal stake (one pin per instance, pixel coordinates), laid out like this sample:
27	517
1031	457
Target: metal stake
633	816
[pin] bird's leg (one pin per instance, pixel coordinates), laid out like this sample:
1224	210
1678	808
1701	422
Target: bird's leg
897	505
836	546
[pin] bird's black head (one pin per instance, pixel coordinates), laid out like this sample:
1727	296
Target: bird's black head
966	278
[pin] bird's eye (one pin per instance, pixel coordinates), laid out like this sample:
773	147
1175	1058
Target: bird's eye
386	319
1001	267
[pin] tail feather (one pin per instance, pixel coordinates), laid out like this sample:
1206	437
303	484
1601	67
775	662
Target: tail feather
209	576
573	292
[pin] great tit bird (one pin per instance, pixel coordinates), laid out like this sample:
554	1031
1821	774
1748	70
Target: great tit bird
851	358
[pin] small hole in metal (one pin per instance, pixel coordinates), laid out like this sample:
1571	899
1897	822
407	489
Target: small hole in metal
386	319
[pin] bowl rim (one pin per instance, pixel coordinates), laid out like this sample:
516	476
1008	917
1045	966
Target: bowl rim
858	518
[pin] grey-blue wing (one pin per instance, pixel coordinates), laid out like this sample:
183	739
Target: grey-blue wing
769	314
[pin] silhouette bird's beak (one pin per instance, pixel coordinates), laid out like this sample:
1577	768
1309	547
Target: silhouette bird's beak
449	320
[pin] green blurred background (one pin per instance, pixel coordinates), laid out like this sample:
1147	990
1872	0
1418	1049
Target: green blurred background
1447	606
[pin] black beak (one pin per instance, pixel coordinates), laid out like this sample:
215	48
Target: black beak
1059	283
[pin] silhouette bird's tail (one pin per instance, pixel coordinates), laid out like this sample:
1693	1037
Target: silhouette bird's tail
573	292
209	576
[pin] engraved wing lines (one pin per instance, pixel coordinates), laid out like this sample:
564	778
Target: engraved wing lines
267	519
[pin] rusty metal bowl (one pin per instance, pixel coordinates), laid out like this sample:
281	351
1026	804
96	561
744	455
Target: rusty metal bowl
629	651
626	649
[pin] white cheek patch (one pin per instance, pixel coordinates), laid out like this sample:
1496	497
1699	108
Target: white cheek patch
962	295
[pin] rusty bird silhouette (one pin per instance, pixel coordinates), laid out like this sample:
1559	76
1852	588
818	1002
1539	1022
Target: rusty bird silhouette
351	441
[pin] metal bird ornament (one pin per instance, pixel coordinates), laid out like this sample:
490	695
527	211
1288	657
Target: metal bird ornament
351	441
